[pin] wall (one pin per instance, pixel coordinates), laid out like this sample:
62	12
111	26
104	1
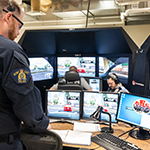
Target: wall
138	33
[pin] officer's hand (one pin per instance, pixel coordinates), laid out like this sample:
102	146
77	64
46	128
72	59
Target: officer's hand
49	127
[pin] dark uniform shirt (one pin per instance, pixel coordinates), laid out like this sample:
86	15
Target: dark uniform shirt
20	100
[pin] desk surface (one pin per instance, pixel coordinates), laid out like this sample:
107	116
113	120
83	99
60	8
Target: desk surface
118	130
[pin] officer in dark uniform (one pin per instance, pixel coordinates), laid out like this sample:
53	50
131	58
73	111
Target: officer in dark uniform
20	100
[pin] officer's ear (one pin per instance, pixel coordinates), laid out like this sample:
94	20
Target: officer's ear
8	17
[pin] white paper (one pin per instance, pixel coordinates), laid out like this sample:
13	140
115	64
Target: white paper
61	133
86	127
79	138
74	137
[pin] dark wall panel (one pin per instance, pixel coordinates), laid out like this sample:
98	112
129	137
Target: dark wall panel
76	42
39	43
111	41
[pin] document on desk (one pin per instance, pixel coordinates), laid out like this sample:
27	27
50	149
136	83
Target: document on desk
74	137
61	133
86	127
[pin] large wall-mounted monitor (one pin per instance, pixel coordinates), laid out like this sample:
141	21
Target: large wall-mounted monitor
63	104
85	65
135	110
40	68
109	102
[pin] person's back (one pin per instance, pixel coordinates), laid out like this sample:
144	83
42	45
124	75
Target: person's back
82	81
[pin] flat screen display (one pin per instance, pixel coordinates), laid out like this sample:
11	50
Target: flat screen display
119	66
95	83
85	65
109	102
134	110
63	104
40	68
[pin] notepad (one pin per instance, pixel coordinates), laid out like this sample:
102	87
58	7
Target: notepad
86	127
74	137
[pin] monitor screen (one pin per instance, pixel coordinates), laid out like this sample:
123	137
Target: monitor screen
40	68
134	110
63	104
119	66
95	83
109	102
85	65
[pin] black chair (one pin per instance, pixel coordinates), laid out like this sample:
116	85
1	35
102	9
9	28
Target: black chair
45	140
70	82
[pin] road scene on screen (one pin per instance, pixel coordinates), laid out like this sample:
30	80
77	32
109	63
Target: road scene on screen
109	103
85	65
63	105
40	68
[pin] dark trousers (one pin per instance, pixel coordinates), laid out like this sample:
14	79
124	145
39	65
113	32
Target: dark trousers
16	145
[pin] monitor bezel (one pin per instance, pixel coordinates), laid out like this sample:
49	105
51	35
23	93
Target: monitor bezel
103	92
131	124
59	118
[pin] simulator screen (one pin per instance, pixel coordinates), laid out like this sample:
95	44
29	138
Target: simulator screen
62	104
120	67
109	102
134	110
40	68
85	65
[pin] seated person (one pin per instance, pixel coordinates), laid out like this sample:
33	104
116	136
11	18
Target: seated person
114	84
84	83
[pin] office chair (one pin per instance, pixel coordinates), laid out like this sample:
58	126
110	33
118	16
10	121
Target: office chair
45	140
70	82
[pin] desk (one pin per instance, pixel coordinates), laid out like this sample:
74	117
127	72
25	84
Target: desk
118	129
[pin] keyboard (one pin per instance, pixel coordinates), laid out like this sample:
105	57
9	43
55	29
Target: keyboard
112	142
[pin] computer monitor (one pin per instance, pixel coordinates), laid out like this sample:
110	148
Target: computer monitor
85	65
109	102
135	110
95	83
63	104
40	68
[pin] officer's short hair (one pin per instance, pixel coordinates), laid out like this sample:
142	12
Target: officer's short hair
4	4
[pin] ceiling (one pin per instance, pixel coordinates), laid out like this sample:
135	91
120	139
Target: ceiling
87	13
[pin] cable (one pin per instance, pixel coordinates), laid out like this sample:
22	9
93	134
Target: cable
126	137
127	132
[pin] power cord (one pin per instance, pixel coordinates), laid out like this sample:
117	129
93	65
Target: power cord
127	132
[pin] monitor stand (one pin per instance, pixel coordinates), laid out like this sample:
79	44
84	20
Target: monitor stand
140	134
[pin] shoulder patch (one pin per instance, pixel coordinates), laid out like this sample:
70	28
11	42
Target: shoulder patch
21	75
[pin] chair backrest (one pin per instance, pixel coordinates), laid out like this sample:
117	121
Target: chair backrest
45	140
70	82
